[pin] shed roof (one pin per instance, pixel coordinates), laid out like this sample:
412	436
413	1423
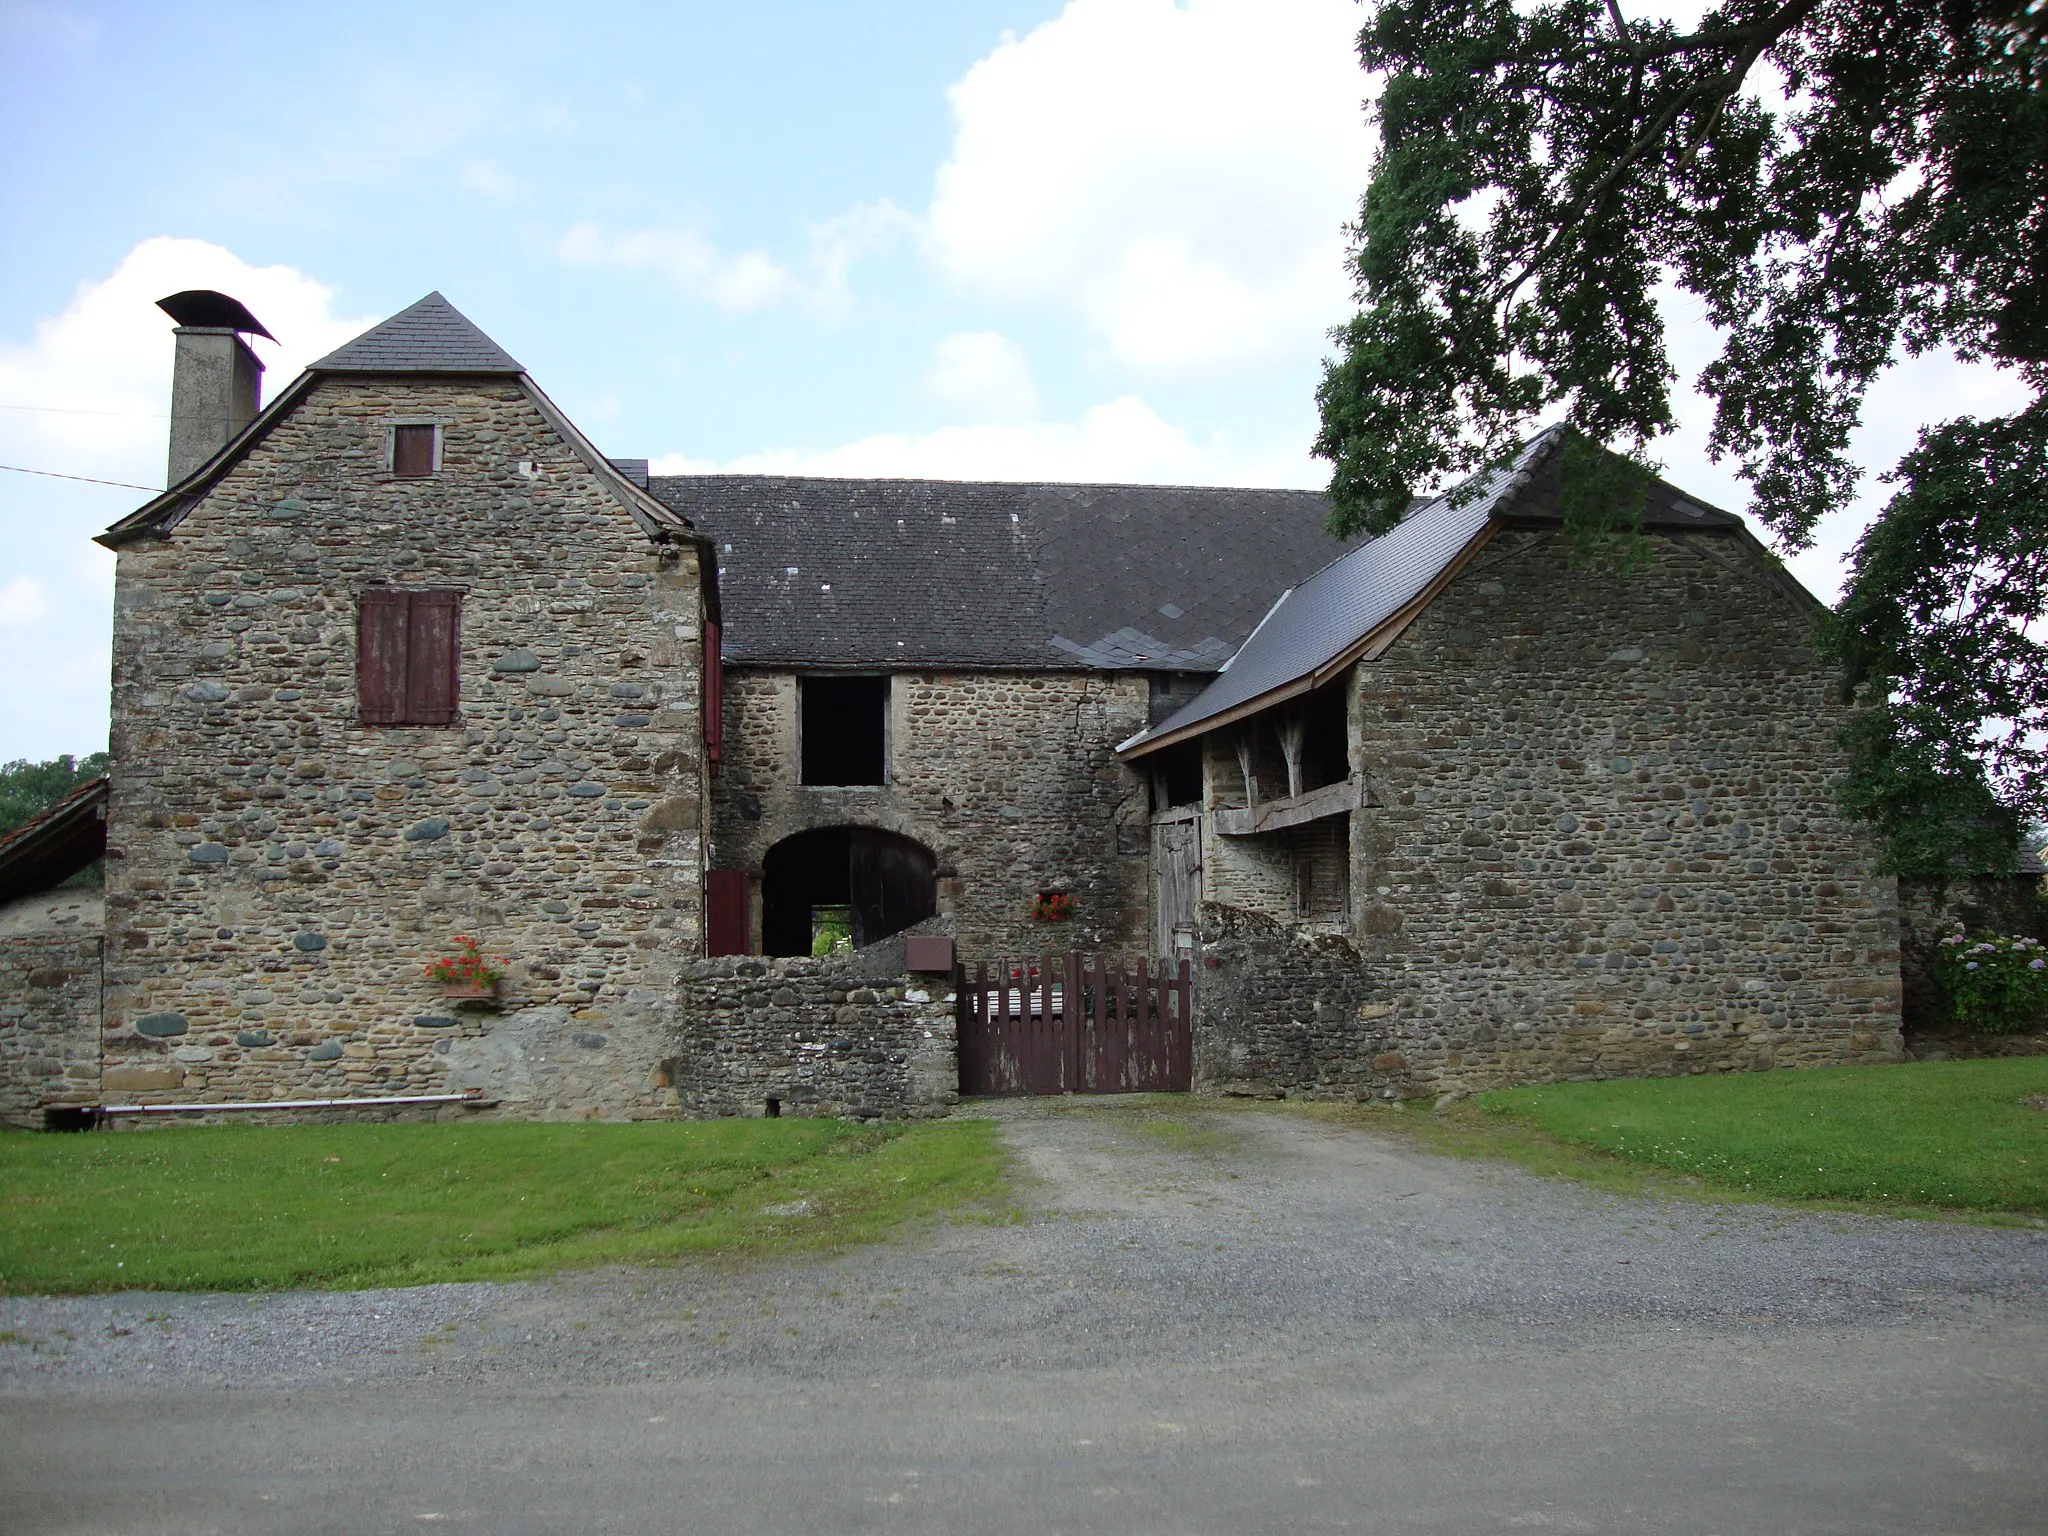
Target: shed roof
1328	621
51	847
432	336
880	573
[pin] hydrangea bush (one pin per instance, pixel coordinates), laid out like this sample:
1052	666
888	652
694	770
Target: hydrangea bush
1997	983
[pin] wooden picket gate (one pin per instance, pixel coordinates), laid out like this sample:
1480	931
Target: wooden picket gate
1076	1023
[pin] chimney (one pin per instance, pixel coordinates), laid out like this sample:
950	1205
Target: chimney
216	383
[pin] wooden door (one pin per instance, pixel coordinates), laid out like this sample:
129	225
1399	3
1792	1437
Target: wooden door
1176	881
891	884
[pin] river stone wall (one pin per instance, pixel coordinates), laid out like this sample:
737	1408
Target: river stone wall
49	1005
1602	841
279	876
1603	836
821	1037
1010	779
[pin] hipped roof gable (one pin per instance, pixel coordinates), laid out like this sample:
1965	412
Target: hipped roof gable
431	337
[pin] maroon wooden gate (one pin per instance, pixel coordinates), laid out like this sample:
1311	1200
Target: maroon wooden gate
1076	1023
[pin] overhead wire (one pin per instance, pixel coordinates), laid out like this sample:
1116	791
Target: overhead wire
126	485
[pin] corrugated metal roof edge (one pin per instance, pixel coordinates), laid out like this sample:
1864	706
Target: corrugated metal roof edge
1372	643
1528	461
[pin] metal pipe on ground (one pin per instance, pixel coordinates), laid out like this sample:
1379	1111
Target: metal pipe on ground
473	1098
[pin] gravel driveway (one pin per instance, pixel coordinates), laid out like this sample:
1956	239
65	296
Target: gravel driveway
1211	1319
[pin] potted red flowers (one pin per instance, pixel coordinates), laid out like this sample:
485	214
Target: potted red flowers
468	975
1052	907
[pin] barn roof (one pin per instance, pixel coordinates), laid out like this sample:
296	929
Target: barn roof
879	573
1368	594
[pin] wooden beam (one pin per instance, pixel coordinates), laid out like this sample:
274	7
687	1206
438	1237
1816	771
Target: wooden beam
1273	815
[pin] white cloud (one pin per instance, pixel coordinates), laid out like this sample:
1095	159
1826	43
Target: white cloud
99	373
1121	441
982	375
734	283
1179	173
23	601
98	378
752	279
488	178
1914	393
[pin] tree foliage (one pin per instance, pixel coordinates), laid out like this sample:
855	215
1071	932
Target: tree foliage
27	789
1836	183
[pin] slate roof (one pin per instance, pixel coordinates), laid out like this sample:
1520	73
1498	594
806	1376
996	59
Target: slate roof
819	572
432	336
1318	628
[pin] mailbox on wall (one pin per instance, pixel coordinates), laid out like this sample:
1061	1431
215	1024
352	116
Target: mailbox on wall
928	952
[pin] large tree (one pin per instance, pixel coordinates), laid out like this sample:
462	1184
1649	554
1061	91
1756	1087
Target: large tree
1839	183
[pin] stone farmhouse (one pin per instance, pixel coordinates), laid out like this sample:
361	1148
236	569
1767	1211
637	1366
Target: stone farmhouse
402	658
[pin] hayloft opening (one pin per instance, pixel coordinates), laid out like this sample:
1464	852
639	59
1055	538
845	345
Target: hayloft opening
1325	743
844	728
1177	776
857	882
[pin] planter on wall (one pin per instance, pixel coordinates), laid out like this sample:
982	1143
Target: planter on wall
467	995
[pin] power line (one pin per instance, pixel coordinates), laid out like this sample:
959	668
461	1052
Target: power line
79	410
126	485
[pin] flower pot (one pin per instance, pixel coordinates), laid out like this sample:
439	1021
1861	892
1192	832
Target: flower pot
482	995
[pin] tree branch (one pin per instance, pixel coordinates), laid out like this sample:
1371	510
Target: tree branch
1721	87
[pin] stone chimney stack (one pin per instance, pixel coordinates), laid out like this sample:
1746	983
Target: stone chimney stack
217	381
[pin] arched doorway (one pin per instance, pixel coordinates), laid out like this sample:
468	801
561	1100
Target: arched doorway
875	883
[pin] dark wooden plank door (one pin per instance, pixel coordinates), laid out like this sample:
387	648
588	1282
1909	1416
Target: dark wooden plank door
1176	883
727	903
891	885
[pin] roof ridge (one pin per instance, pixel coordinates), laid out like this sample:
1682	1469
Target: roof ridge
429	335
1048	485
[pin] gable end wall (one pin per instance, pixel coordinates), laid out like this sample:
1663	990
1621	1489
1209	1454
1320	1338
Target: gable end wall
1603	842
279	875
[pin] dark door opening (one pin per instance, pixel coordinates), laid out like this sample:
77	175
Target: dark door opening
872	882
844	730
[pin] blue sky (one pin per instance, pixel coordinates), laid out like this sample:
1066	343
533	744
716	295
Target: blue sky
1099	240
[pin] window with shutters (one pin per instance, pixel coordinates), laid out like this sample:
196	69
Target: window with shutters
415	450
408	657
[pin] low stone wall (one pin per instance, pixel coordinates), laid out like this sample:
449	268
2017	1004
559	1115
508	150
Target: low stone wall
821	1037
49	1005
1280	1011
1927	911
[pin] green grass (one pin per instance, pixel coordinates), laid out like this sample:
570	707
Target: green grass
1951	1135
260	1208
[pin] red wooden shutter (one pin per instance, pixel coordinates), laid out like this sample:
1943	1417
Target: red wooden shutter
726	904
433	662
412	451
381	656
712	687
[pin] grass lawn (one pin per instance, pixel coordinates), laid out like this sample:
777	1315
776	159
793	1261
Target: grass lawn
1951	1135
345	1206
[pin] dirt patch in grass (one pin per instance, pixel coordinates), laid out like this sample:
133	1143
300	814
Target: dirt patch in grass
261	1208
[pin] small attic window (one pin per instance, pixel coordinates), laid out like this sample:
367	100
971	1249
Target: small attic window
414	450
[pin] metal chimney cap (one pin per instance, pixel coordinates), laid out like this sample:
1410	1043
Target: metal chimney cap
204	307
